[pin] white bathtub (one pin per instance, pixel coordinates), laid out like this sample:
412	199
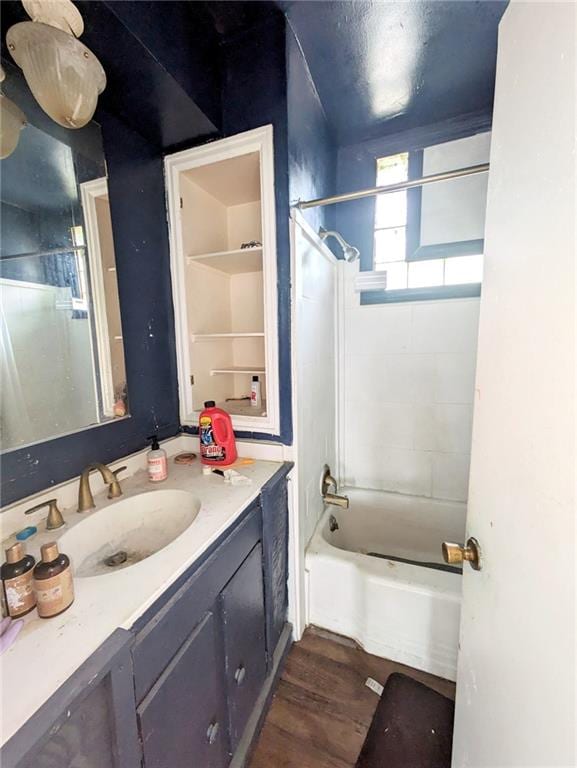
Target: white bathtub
400	611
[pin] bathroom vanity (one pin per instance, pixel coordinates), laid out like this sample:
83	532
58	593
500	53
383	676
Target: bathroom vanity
188	682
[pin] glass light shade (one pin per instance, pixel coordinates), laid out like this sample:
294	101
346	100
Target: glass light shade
12	120
57	13
65	77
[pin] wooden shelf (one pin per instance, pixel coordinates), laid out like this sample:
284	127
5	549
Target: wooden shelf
231	262
239	369
216	336
243	408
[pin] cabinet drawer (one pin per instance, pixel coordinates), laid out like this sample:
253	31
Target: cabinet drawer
161	637
242	605
183	718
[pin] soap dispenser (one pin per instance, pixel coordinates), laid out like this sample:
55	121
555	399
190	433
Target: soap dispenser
16	575
52	582
156	461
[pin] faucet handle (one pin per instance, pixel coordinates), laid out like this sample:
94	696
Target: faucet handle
114	489
54	519
327	481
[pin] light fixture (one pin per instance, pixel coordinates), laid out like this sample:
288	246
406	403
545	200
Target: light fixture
65	77
12	120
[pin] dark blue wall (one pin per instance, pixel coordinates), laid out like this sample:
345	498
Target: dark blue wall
160	28
254	93
312	148
144	112
152	106
384	67
356	169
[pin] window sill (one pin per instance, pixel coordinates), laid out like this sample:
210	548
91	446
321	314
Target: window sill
421	294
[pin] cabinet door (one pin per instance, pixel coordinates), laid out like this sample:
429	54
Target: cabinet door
86	738
244	641
183	718
89	722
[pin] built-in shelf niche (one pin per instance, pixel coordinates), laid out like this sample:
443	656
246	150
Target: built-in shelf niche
223	259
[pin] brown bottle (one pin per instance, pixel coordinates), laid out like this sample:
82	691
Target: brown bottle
53	584
16	575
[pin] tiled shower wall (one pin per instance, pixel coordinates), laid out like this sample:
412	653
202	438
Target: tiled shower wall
314	341
409	377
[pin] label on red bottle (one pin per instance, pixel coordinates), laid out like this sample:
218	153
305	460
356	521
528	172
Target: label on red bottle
209	448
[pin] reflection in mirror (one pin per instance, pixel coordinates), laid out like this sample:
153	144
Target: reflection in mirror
61	350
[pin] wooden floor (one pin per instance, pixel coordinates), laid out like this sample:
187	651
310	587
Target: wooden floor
322	708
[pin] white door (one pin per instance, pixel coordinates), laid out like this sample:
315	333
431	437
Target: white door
516	675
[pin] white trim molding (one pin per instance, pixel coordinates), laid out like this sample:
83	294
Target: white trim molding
90	191
258	140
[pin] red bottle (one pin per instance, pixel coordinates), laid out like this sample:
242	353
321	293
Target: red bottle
217	443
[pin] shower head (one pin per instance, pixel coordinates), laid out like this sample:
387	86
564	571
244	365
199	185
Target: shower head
349	251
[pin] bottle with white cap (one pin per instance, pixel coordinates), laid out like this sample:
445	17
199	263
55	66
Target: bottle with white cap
255	394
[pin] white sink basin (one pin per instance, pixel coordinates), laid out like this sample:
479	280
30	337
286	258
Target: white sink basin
128	531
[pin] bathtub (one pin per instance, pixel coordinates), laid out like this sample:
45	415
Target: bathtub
359	584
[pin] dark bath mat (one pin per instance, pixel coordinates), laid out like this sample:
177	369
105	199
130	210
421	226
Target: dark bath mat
412	727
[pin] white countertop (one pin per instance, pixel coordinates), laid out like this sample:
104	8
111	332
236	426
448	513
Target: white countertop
48	651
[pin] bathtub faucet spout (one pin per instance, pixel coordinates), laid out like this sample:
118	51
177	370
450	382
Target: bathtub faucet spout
338	501
329	482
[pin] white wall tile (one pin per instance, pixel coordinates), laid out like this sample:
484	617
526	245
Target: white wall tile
451	476
453	428
315	412
402	471
445	326
380	425
408	374
455	376
391	378
424	428
369	330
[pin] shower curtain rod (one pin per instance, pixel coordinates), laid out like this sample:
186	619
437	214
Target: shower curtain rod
347	196
52	252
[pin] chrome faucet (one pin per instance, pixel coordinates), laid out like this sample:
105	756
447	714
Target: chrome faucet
85	497
328	481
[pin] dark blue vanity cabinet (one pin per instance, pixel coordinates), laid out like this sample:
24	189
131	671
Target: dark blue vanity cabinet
243	616
188	685
274	501
182	720
200	658
89	721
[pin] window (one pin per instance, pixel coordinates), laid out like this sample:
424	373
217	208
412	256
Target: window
432	271
391	217
80	302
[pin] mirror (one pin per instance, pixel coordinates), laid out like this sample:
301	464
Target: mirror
61	349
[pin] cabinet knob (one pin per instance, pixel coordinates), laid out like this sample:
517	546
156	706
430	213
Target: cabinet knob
212	732
240	674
